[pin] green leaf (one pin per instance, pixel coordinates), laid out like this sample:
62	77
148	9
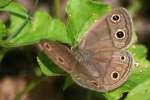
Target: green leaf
42	27
19	20
68	82
18	26
57	32
16	9
140	73
83	13
2	35
48	67
37	30
2	30
140	92
138	51
4	3
15	39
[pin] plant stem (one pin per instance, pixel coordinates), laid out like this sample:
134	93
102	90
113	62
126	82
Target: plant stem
57	8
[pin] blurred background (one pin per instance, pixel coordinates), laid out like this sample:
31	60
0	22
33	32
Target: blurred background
20	76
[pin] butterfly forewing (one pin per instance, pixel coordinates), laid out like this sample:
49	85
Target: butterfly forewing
106	34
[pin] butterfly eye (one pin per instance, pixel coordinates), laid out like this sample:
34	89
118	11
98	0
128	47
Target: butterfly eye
115	18
115	75
120	34
47	46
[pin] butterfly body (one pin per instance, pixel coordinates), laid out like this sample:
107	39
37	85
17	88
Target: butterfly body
100	62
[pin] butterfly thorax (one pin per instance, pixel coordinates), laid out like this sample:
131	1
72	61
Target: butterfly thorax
82	56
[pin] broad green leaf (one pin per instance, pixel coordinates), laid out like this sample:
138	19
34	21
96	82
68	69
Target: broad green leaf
38	29
48	67
43	27
140	73
16	9
140	92
4	3
83	13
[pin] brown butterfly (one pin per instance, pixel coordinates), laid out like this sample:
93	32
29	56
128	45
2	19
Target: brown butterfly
100	62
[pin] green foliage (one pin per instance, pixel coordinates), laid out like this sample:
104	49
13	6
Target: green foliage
83	13
24	31
2	35
140	92
68	82
2	30
4	3
15	9
42	27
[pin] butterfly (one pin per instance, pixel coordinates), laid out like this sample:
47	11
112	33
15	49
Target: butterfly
101	61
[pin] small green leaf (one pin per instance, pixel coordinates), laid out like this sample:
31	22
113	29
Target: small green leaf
16	9
83	13
15	39
48	67
57	32
68	82
4	3
18	26
42	27
38	30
